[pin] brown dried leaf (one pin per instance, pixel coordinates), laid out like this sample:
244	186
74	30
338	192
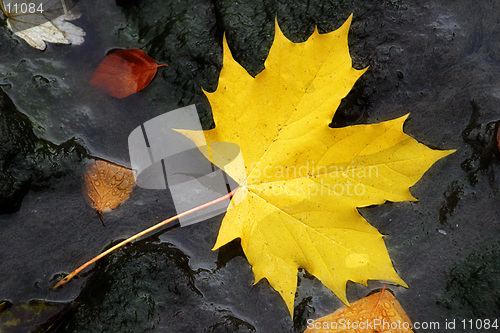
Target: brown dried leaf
379	312
107	185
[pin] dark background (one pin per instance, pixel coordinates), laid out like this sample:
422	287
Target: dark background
437	59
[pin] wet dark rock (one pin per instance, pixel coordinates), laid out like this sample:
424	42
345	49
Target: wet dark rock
249	29
149	287
26	161
481	138
183	35
472	286
452	197
36	316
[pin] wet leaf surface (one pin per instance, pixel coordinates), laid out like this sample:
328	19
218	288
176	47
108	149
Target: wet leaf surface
378	313
124	72
107	185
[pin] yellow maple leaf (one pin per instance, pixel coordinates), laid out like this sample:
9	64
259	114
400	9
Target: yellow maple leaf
303	181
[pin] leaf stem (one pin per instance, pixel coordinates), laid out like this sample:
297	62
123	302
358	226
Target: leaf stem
3	9
68	277
378	301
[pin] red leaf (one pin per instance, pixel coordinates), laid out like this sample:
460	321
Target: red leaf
124	72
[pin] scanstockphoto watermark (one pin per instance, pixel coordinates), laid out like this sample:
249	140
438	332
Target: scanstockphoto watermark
346	324
321	187
377	324
310	180
311	169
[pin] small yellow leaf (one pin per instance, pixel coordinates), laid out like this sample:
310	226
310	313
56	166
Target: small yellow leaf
107	185
33	316
303	181
377	313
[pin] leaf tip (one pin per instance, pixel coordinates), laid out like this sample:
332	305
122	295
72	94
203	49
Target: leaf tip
396	279
207	93
400	282
404	117
278	33
349	19
448	152
347	23
315	32
361	71
226	52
